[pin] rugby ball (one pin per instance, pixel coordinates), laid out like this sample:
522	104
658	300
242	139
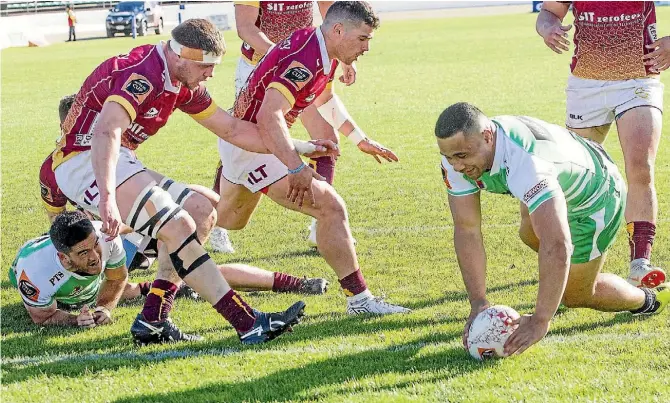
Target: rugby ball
490	330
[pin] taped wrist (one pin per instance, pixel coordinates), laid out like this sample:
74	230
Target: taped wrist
334	112
303	147
189	256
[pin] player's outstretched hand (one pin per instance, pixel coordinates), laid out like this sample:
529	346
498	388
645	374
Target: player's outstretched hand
111	218
324	148
659	59
300	186
474	311
102	316
85	319
377	150
557	38
530	331
348	76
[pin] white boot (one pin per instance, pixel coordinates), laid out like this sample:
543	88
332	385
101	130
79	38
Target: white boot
643	274
365	302
220	241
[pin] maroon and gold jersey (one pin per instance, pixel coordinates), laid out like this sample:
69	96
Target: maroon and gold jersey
610	39
277	20
298	67
139	81
54	200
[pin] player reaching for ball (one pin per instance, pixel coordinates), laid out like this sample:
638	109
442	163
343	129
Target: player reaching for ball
568	187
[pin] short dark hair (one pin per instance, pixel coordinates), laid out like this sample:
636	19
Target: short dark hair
68	229
199	33
352	12
64	106
459	117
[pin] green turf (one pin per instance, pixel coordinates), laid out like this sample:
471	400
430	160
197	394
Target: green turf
398	215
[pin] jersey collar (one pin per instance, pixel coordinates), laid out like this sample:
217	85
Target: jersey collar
500	150
168	82
324	52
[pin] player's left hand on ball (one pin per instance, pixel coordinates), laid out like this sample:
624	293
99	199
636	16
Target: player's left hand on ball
659	59
102	316
324	148
348	76
530	330
377	150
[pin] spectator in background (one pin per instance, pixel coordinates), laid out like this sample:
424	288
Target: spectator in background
71	22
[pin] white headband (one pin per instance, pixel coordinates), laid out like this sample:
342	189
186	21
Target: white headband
195	55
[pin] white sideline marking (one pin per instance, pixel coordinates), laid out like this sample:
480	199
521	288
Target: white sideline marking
187	353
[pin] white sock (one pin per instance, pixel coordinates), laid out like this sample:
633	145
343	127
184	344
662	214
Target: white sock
360	297
640	261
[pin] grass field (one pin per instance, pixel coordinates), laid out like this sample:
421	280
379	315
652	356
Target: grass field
399	216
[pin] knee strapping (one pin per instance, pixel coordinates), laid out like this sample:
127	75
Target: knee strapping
184	268
153	208
178	191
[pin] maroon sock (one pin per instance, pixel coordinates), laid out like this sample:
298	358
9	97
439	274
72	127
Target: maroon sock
159	301
353	284
145	287
640	239
217	178
324	166
286	283
232	307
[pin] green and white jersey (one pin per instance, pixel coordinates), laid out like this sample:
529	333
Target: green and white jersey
534	160
41	278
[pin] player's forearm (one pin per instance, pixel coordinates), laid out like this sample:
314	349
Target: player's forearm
110	293
554	263
546	20
235	131
335	113
59	318
471	255
274	132
255	38
104	157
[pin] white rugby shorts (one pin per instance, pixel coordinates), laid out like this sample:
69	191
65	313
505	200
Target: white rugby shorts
252	170
592	103
76	180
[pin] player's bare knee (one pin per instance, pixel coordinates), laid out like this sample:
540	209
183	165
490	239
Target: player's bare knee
331	206
176	230
232	221
639	170
203	213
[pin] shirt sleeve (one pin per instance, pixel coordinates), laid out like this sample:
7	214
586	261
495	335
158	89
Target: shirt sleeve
117	255
291	76
199	104
131	89
457	184
532	180
34	292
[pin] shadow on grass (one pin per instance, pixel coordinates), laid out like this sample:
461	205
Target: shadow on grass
616	319
223	258
128	355
334	373
82	357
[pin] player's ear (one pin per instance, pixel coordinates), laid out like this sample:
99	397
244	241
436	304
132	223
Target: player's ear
338	28
64	259
488	135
